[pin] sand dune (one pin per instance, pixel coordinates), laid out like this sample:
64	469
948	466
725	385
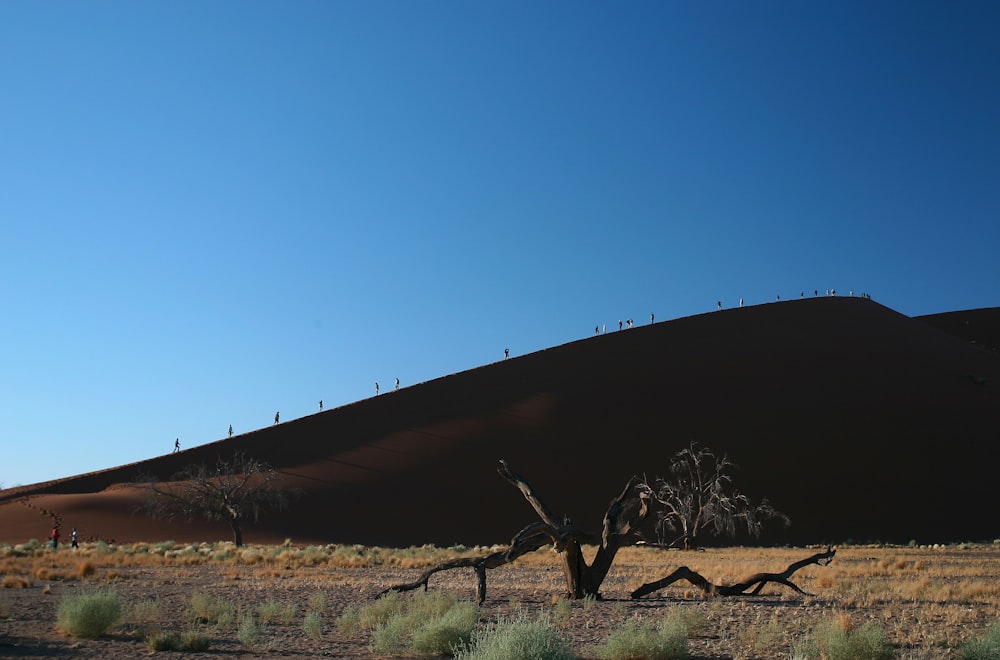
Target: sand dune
858	422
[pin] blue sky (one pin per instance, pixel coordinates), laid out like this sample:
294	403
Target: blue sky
213	211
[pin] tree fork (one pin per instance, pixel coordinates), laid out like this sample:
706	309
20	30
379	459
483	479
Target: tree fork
582	580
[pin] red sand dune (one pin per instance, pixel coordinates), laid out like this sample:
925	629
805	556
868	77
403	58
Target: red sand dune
858	422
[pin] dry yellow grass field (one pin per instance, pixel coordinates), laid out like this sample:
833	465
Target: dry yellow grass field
929	601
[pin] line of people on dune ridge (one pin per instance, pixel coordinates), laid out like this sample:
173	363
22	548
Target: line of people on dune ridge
598	330
277	418
629	323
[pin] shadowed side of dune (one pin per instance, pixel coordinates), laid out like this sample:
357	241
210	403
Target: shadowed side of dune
858	422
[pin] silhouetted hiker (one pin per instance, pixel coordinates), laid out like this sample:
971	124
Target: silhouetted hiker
741	302
650	317
74	539
719	303
506	353
376	389
802	294
321	405
619	324
276	416
815	292
605	327
778	297
597	330
230	430
177	445
397	383
55	537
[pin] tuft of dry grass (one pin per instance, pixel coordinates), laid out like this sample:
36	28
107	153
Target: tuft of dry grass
15	582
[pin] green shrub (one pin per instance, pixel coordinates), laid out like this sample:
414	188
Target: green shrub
250	633
986	647
317	602
830	640
312	625
521	638
441	635
427	623
371	616
638	639
163	641
195	642
273	610
213	610
90	615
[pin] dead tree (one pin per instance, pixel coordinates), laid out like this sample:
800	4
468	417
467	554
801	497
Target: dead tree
758	580
582	579
236	491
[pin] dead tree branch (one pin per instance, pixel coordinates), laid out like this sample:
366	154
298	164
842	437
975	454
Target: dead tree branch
624	512
758	580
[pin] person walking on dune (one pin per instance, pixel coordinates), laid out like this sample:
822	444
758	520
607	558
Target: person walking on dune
376	389
506	353
397	383
55	537
230	430
321	405
177	445
74	539
277	416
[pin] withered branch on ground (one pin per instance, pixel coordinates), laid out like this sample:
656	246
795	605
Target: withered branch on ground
758	580
624	512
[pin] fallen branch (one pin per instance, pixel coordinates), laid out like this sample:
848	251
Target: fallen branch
758	580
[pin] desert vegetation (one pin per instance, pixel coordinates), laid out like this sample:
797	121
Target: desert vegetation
916	602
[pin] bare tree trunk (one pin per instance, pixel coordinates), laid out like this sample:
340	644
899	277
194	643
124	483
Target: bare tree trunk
758	580
582	580
237	532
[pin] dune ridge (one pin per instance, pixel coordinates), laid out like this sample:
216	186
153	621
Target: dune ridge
859	422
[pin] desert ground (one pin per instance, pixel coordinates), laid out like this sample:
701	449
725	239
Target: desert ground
928	601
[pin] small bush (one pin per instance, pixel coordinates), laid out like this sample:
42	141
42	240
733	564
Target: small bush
369	617
986	647
206	608
518	638
637	639
838	640
195	642
250	633
317	602
312	625
162	641
89	615
428	623
85	568
451	630
273	610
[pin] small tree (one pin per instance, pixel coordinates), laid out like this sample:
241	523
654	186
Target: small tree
699	495
236	491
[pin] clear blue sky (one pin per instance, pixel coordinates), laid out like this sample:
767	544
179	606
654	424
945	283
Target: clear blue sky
213	211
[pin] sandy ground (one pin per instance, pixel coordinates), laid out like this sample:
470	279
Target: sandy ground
931	625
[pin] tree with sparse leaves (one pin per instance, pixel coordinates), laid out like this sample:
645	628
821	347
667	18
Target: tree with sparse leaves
699	496
237	491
